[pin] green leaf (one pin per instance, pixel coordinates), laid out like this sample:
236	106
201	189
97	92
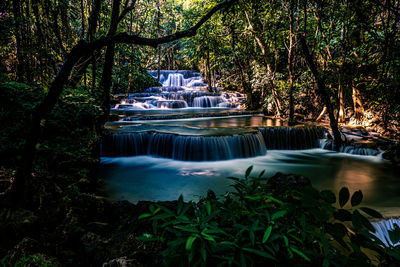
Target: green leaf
145	215
328	196
203	251
186	228
301	254
190	241
286	240
359	221
260	253
274	200
342	215
208	207
337	230
255	198
252	237
344	196
356	198
248	171
267	233
371	212
278	214
147	237
261	174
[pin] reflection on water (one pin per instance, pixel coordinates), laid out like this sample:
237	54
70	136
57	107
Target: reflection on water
181	111
210	122
149	178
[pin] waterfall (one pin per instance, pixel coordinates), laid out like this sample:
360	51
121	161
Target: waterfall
292	137
189	97
382	229
163	89
119	145
183	147
208	101
355	149
175	79
172	104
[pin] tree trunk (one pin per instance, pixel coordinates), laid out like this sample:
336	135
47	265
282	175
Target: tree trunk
105	83
210	88
321	114
267	62
128	88
38	119
291	63
158	47
341	117
323	92
18	38
357	104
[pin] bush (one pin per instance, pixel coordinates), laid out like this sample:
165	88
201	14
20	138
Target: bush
259	224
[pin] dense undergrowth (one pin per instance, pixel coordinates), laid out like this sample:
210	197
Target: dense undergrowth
279	221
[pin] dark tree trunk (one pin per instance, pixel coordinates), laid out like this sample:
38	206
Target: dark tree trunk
210	88
323	92
105	83
291	63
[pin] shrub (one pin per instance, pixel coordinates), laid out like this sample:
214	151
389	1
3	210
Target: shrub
258	224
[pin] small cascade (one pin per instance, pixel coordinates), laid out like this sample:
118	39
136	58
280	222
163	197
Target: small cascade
382	229
174	80
183	147
172	104
163	89
292	137
208	101
189	97
120	145
355	149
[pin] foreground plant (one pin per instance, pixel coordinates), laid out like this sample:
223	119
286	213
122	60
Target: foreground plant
262	223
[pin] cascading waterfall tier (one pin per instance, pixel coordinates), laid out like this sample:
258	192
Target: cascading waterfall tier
208	101
355	149
292	137
183	147
182	85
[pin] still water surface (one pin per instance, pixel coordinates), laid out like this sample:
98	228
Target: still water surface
150	178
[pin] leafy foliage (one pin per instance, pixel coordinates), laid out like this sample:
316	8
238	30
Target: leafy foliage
255	225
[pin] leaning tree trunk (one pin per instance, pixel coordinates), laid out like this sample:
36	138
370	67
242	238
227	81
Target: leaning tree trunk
105	83
323	92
